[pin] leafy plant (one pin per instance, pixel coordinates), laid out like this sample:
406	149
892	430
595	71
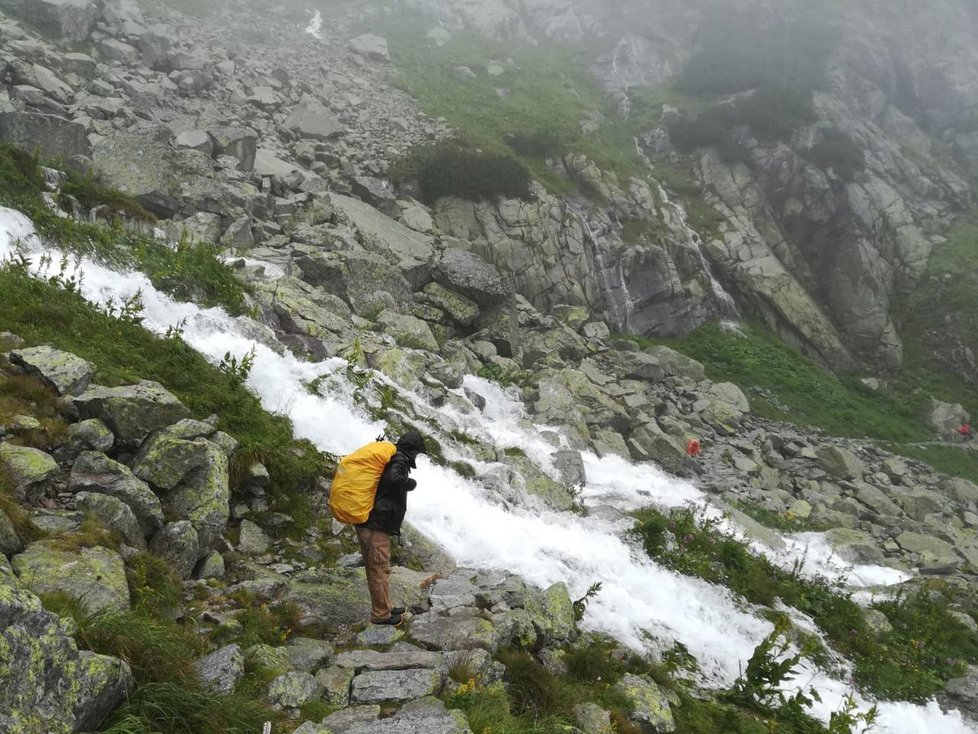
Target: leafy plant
580	605
237	372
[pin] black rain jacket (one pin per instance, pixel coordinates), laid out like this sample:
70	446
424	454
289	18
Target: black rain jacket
390	502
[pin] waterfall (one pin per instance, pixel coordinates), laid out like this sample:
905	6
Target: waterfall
727	305
315	26
611	280
638	597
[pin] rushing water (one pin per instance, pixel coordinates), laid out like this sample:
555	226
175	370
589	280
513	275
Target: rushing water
638	598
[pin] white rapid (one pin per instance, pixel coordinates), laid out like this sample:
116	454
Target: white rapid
638	598
315	26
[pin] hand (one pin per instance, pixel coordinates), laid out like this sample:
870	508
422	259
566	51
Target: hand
411	484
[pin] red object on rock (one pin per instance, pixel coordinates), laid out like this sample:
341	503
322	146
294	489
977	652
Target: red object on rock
693	447
965	430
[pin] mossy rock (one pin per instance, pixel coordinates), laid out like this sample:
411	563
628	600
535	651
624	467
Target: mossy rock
96	577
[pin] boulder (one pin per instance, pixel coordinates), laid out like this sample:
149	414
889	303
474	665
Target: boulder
408	331
87	435
193	477
311	120
337	596
453	633
470	275
177	543
114	515
252	540
132	411
593	719
238	142
929	551
95	576
460	309
342	721
68	20
66	373
394	685
26	467
963	691
552	612
307	655
104	683
195	140
212	567
292	690
841	463
222	669
371	47
651	711
96	472
140	167
10	542
115	50
336	686
376	193
945	417
45	683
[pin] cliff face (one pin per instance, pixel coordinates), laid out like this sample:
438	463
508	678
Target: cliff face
819	255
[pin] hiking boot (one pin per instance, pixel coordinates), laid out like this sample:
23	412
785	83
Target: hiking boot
393	620
398	611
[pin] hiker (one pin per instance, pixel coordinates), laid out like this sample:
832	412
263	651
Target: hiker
386	516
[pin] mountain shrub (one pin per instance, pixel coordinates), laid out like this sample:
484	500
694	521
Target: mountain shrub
838	151
471	175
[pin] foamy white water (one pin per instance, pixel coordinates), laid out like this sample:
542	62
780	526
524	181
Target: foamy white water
315	26
638	597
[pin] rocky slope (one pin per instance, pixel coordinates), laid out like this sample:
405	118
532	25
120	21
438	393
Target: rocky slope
276	145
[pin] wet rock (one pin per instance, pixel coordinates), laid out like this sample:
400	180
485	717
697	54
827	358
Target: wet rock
177	543
132	411
66	373
222	669
95	577
408	331
394	685
928	550
552	612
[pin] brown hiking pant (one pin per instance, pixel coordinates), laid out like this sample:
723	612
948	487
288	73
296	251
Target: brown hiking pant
375	546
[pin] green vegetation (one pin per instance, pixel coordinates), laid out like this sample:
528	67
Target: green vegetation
838	151
23	395
532	111
123	352
187	272
782	384
448	170
925	648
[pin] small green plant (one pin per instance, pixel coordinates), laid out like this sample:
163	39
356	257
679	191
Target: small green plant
237	372
580	605
838	151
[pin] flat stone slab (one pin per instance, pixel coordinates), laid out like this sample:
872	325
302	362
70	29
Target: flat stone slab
424	716
66	373
455	633
363	660
378	686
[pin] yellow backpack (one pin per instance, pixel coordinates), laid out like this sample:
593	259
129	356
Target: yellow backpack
351	498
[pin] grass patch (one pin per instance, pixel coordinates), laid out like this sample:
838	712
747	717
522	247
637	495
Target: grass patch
838	151
957	462
185	272
783	521
784	385
23	395
926	648
449	170
123	352
264	624
91	534
547	92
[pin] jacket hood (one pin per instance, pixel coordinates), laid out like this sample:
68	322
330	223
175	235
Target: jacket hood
411	444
